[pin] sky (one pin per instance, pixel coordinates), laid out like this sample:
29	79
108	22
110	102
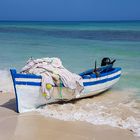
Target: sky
69	10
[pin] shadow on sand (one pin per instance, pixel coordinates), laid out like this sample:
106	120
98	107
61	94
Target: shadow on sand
11	104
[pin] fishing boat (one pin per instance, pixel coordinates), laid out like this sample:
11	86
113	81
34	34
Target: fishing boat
95	81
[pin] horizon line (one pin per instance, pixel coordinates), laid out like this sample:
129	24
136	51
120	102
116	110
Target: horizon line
69	20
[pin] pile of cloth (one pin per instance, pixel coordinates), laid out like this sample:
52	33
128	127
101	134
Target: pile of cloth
53	73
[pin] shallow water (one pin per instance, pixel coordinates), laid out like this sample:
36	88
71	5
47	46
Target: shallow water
113	108
79	44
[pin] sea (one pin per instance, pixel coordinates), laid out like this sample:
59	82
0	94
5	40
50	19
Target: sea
79	45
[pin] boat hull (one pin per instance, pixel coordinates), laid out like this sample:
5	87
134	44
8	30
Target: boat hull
29	96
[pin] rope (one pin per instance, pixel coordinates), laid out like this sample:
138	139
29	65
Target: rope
60	91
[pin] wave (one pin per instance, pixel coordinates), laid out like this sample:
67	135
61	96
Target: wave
116	109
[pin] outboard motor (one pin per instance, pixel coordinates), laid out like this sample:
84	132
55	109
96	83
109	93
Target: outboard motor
106	61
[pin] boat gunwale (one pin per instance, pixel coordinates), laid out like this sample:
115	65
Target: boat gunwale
34	76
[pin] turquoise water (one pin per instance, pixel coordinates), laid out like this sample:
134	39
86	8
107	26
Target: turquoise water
79	44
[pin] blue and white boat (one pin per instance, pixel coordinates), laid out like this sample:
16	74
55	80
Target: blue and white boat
29	96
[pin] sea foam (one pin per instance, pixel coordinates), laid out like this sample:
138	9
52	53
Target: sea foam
98	111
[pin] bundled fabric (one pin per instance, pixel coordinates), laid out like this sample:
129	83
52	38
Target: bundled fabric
53	72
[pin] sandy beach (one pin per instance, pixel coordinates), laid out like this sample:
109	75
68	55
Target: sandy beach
34	126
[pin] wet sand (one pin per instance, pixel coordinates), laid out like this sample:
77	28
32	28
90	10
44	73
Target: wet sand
33	126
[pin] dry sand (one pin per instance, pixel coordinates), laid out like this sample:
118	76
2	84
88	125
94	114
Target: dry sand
33	126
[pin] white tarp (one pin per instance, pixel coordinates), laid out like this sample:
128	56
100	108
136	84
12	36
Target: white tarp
53	72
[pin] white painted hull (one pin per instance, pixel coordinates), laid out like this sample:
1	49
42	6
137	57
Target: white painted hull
29	96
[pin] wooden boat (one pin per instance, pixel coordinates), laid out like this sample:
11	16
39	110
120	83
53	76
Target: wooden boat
29	96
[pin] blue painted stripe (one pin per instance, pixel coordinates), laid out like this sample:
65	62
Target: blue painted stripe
31	76
15	75
12	74
101	81
85	83
111	72
93	75
28	83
